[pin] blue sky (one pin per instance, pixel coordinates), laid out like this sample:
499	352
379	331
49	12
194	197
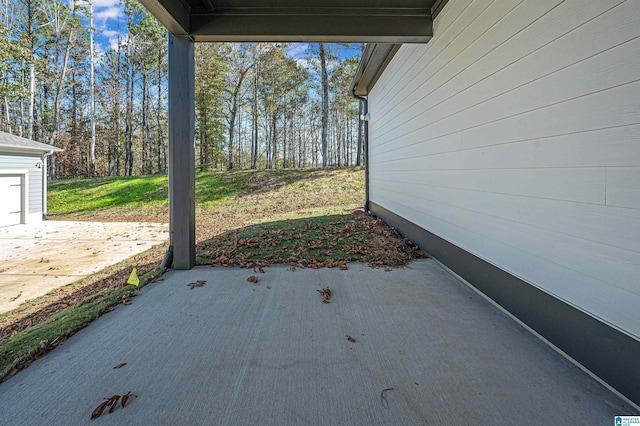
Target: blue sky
107	16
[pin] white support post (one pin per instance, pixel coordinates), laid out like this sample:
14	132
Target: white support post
182	218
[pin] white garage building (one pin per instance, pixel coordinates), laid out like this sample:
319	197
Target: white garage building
23	185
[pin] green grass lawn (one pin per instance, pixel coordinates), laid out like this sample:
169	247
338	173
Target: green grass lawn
247	196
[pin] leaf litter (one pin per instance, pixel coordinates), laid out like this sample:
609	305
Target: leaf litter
198	283
326	294
359	237
112	404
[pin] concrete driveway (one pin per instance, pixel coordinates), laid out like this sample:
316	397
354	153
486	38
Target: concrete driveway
36	258
427	351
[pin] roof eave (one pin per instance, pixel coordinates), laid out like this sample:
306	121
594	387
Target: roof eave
375	59
30	150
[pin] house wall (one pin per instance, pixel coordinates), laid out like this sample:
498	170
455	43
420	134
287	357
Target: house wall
514	134
27	161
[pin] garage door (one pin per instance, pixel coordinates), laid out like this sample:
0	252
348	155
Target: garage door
11	196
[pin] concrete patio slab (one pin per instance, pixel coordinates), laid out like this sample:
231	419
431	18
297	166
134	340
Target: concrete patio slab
427	350
36	258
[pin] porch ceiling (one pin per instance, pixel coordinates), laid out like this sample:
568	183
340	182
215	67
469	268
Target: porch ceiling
371	21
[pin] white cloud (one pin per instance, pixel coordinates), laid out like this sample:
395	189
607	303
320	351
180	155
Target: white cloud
112	37
108	13
106	3
303	63
297	50
97	4
109	33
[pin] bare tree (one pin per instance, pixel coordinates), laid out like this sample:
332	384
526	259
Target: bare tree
325	102
92	143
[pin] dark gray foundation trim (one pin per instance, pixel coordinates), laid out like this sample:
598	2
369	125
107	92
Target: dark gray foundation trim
609	354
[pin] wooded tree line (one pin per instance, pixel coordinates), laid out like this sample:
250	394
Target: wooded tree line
256	107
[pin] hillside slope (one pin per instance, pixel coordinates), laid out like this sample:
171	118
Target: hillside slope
224	200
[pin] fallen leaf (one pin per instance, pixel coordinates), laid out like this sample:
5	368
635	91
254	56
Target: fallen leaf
100	409
196	284
122	364
269	287
113	403
351	339
260	269
253	279
326	294
125	398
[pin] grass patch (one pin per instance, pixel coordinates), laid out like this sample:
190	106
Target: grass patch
327	241
323	240
87	195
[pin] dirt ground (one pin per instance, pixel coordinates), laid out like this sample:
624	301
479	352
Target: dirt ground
36	258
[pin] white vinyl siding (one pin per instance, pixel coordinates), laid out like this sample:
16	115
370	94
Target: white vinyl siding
515	135
26	161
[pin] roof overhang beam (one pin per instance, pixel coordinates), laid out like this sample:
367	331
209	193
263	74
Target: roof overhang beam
311	23
369	25
173	14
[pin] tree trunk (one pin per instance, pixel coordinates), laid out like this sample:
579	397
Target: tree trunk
274	141
254	120
360	140
32	69
21	127
145	125
234	110
6	114
325	103
161	149
58	98
128	163
92	143
116	117
232	125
